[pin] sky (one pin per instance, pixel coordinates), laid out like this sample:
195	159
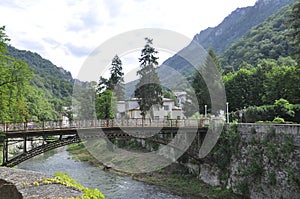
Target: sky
67	31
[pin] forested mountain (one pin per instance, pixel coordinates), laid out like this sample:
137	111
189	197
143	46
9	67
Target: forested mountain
268	40
31	88
55	80
262	27
265	35
237	24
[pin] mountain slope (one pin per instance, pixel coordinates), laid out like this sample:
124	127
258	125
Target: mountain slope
52	79
237	24
274	25
268	40
241	18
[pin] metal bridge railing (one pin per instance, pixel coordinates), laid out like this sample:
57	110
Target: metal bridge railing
107	123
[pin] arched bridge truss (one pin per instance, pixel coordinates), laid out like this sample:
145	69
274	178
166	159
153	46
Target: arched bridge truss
46	139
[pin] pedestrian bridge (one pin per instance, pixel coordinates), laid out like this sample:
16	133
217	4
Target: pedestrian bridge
32	139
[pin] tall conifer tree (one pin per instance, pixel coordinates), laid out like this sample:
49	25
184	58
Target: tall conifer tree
148	90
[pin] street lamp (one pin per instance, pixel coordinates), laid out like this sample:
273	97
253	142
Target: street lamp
205	111
227	113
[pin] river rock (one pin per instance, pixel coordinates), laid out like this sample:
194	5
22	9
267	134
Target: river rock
9	190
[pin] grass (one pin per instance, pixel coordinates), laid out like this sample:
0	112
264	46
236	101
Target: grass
174	178
185	185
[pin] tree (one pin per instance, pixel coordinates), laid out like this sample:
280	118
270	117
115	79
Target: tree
215	59
148	89
116	81
3	40
244	88
201	96
110	90
282	82
106	105
294	30
14	80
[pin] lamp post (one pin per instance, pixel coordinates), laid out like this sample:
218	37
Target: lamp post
227	113
205	111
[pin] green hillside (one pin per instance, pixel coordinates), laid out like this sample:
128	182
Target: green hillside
52	79
268	40
31	87
265	37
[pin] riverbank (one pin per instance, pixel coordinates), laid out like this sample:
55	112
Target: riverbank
174	178
29	184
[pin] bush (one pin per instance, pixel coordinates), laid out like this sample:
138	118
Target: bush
278	120
281	109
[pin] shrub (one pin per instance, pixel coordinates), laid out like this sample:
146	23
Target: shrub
278	120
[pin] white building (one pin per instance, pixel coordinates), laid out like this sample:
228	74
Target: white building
181	97
131	109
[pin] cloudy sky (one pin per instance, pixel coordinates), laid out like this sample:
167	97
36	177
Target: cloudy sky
67	31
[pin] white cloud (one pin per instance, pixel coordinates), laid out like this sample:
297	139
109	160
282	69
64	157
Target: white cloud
66	31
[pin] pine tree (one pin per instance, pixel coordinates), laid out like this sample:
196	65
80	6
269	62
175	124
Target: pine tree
110	90
199	96
148	90
116	80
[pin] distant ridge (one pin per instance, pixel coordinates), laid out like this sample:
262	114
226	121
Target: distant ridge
239	22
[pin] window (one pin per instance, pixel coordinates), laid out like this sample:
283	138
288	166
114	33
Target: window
166	107
178	117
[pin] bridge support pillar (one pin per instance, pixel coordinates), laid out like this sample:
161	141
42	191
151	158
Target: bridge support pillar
25	145
5	152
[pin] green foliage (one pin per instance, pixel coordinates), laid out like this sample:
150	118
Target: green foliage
199	95
109	91
244	88
3	40
148	89
282	106
281	109
24	96
106	104
226	148
267	40
282	82
267	157
52	79
116	81
263	85
14	82
294	33
64	179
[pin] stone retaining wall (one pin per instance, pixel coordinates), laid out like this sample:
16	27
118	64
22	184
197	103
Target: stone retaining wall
264	163
17	183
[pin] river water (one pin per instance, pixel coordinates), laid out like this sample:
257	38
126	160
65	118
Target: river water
111	185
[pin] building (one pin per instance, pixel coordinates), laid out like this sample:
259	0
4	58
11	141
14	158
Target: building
130	109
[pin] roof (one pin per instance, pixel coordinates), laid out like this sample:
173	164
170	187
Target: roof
176	108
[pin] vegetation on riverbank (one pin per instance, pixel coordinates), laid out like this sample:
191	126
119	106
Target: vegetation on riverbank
64	179
174	178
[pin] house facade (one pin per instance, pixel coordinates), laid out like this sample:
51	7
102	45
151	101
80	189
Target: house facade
131	109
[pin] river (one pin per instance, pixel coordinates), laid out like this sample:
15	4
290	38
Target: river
111	185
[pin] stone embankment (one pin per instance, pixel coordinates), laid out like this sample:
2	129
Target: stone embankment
17	183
